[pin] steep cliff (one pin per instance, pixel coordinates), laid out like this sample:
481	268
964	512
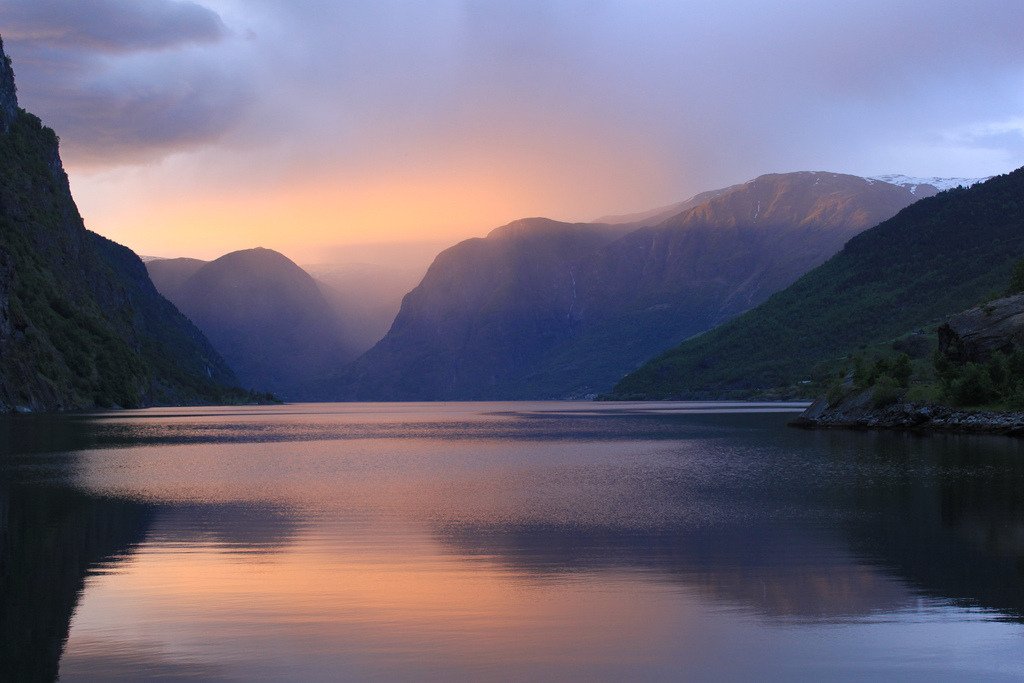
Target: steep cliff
974	335
483	318
81	325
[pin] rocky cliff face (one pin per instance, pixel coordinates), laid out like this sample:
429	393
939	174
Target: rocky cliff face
8	94
541	309
858	412
974	335
81	325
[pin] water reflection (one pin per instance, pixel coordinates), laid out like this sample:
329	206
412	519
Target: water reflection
50	539
886	518
495	541
775	571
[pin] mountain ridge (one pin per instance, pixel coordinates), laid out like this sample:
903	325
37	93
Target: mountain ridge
934	258
491	322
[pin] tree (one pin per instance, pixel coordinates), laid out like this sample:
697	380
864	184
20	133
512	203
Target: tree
973	387
1016	280
902	370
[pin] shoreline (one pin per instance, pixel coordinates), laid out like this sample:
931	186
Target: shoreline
910	417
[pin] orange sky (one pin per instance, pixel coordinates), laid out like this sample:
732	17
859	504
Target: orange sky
187	204
196	128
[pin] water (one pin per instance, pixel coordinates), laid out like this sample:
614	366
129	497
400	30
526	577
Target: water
504	541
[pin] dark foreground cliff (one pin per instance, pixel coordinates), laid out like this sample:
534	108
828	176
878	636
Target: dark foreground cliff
81	324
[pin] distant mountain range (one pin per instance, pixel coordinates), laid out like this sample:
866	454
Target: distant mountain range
933	259
81	325
542	309
928	185
266	315
750	286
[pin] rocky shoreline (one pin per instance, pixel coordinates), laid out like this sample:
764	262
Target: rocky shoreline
857	413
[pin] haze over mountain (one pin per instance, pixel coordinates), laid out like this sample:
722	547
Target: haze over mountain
265	314
663	213
933	259
81	325
366	296
542	309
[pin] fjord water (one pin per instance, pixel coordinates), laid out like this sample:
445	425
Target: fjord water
511	541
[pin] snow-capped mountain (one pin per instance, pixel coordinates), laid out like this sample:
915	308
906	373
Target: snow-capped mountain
940	184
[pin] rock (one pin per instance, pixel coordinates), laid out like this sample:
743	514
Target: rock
855	412
974	335
8	93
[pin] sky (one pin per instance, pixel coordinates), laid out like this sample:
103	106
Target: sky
320	127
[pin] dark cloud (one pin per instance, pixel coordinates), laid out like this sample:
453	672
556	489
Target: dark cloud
675	97
110	25
124	81
139	117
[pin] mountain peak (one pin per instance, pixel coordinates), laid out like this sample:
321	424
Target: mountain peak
940	184
257	257
8	93
266	314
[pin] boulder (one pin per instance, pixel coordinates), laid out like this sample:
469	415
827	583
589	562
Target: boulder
974	335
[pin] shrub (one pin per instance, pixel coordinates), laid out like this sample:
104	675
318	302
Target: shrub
927	394
886	392
972	387
902	370
1016	285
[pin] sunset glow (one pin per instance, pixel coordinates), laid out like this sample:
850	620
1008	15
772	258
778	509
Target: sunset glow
511	340
204	128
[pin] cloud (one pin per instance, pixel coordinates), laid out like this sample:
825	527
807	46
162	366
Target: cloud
1006	129
406	118
110	25
133	116
126	81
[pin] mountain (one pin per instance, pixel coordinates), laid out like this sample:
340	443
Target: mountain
81	325
542	309
170	274
486	313
929	185
265	314
933	259
663	213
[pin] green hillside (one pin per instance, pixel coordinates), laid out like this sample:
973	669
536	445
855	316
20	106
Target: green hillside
81	324
935	258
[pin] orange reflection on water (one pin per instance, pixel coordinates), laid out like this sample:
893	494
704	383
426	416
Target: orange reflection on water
328	599
431	542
